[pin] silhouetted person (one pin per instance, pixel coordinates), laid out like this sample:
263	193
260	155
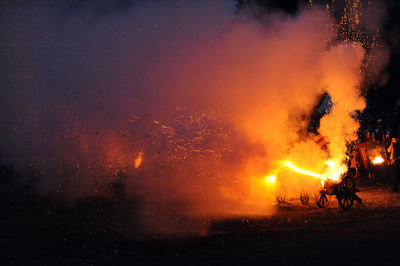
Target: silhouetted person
378	134
394	151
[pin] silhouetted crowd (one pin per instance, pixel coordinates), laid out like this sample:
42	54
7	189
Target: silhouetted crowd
378	137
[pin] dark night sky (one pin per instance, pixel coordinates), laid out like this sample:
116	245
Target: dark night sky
68	61
379	97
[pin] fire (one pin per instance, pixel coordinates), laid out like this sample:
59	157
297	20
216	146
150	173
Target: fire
138	159
270	179
330	163
332	174
378	160
302	171
335	170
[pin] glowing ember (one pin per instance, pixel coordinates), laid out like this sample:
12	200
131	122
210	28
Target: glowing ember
138	159
378	160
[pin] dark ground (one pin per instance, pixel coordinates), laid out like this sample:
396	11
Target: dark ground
42	231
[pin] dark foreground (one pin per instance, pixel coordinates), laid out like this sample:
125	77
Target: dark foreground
39	231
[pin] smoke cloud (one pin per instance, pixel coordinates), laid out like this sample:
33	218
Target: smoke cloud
211	102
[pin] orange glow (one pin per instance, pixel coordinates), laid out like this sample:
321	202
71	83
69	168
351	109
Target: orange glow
333	173
138	159
330	163
378	160
270	179
302	171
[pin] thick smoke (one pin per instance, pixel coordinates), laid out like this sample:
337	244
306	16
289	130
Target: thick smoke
212	102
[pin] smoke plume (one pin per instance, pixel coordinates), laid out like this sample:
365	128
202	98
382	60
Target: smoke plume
205	103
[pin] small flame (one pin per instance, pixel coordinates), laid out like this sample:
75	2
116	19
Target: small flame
378	160
138	159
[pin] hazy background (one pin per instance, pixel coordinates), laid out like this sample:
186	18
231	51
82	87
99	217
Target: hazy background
209	97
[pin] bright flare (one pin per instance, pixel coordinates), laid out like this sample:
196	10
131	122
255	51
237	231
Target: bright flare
333	172
378	160
302	171
330	163
270	179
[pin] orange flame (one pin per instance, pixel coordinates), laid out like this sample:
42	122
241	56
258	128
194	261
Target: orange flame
270	179
378	160
302	171
333	173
